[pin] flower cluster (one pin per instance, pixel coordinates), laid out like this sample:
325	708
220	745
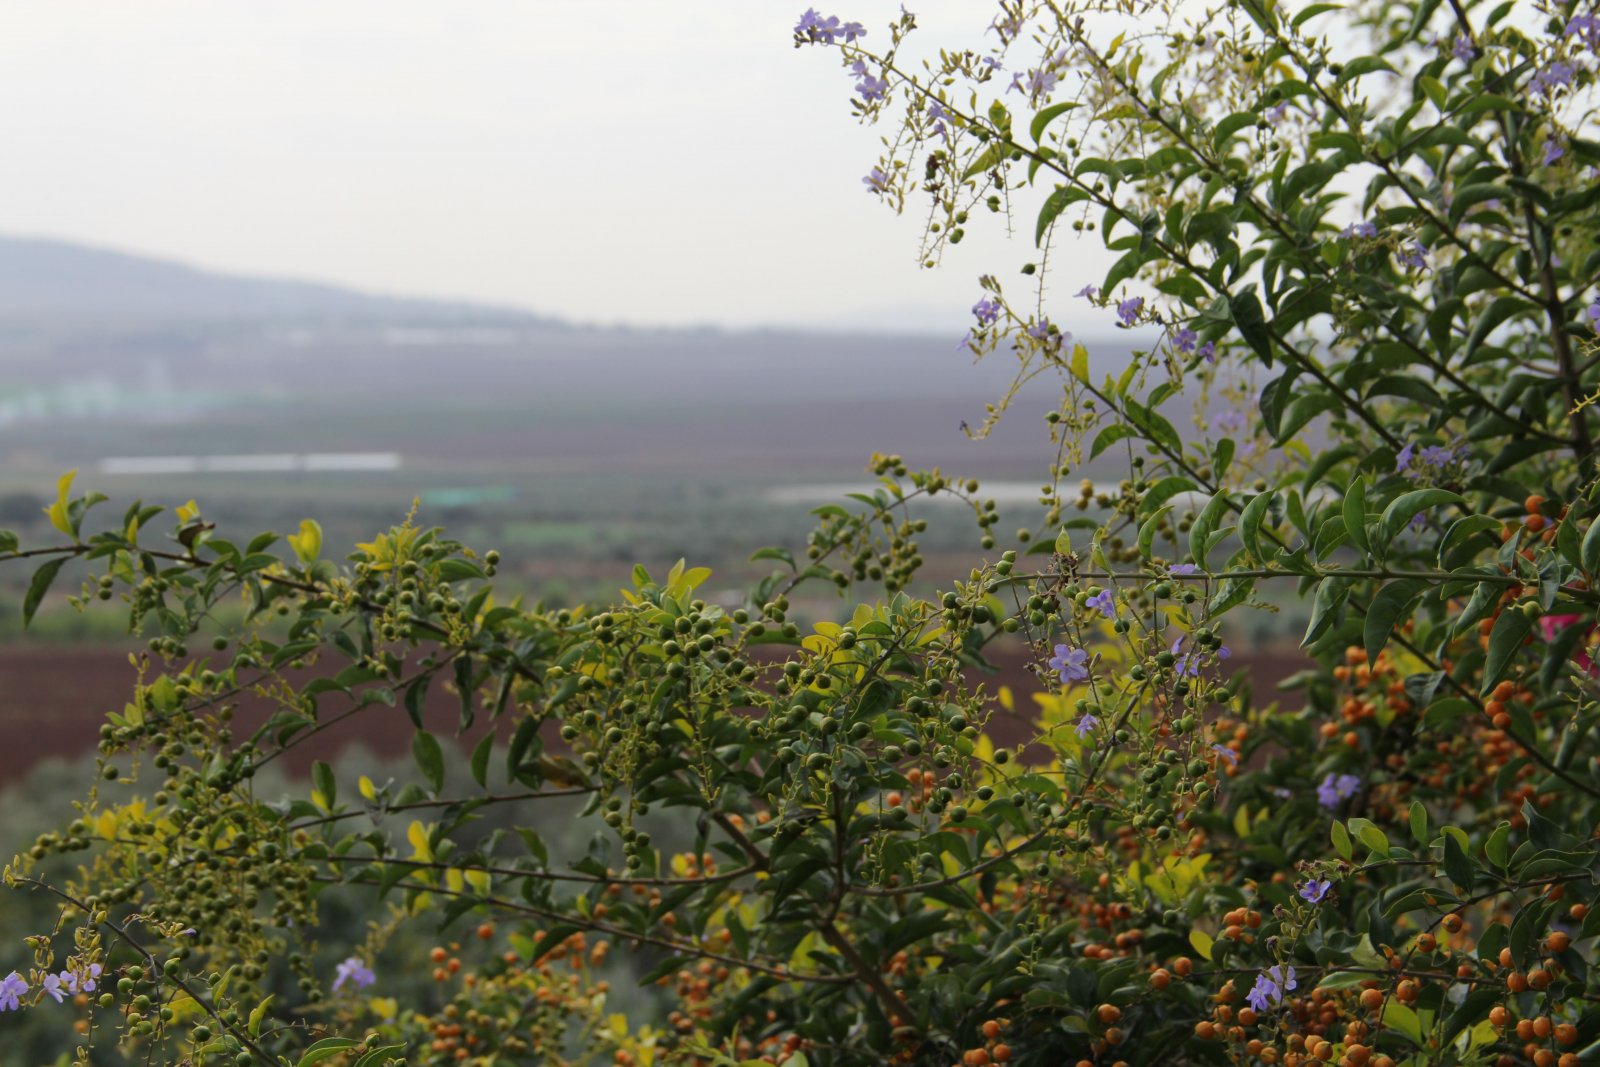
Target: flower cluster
815	29
869	87
1271	986
1359	229
1554	75
1129	310
1428	459
354	971
1337	787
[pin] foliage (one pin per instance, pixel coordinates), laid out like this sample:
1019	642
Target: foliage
1376	223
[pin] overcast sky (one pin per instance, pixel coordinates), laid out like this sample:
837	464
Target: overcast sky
628	161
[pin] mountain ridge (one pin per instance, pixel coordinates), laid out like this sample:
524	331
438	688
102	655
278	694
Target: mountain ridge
49	279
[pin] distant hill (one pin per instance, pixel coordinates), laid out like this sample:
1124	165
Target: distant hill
55	280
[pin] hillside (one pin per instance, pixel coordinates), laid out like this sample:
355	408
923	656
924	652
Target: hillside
46	280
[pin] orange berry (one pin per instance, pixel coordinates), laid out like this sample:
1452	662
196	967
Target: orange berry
438	955
1372	999
1558	941
1109	1013
485	931
1534	504
991	1029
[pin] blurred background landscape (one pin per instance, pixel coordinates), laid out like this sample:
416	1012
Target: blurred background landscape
576	451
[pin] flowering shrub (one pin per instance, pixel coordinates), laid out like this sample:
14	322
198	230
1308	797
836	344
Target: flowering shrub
1371	232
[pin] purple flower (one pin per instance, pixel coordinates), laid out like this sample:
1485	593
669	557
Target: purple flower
938	116
1230	421
1437	455
81	983
1359	229
968	343
1105	603
1415	257
1315	889
1594	313
1462	48
11	990
1071	663
1587	27
1208	352
1128	310
1185	340
1552	77
1335	788
869	87
987	310
52	986
815	29
1085	725
877	181
1263	994
1183	568
354	971
1185	663
1047	335
1405	457
1552	151
1224	752
1088	292
1275	115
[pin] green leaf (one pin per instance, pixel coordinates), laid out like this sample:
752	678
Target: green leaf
1419	823
1162	491
38	588
380	1055
326	1049
1434	90
480	760
1147	532
430	758
1110	436
1054	205
1394	603
1341	840
1505	640
8	541
1408	506
1591	547
1204	525
1456	864
1245	308
323	782
1355	513
781	554
1330	597
1398	1017
1250	524
1202	942
1044	118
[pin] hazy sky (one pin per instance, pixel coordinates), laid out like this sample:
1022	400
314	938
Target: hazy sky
631	160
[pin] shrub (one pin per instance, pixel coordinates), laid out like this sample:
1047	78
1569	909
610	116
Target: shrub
1372	231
